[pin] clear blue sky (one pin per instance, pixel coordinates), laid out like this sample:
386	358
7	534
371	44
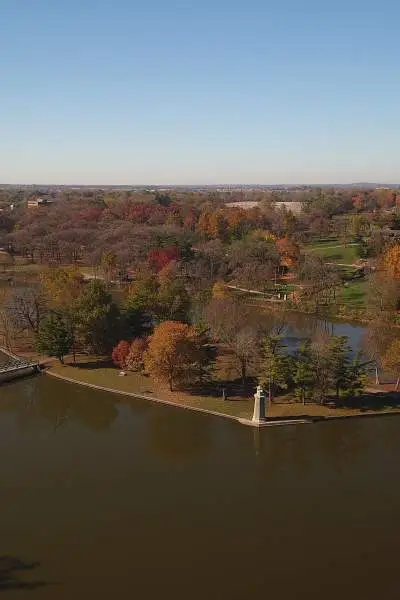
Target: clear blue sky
167	91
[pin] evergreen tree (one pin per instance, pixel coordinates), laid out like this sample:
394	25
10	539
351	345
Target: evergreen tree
304	375
97	318
276	365
356	378
54	337
340	364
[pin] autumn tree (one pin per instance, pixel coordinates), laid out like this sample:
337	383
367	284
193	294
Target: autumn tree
159	258
391	261
383	293
62	286
174	353
135	358
217	225
289	251
120	354
220	291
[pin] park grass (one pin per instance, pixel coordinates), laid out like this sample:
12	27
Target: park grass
340	254
352	295
96	371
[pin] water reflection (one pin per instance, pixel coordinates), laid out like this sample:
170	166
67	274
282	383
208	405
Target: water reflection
12	571
178	435
58	404
176	503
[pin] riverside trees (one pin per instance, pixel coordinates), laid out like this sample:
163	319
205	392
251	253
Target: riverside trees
315	372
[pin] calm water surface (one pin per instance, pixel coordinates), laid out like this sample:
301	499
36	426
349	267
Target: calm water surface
131	500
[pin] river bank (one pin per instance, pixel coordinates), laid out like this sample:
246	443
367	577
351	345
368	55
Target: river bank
99	375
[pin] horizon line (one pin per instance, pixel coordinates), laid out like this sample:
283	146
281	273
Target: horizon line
172	185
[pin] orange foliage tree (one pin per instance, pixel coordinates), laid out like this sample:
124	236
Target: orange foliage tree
391	261
135	358
220	291
174	353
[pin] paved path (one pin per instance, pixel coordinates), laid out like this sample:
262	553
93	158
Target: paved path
333	247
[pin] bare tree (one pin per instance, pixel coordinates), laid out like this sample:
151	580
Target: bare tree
232	323
27	306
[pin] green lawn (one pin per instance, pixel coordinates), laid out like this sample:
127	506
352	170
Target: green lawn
335	251
97	372
353	294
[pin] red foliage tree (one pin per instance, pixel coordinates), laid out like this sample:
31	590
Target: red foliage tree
161	257
120	353
289	251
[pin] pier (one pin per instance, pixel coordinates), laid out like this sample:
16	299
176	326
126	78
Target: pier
14	367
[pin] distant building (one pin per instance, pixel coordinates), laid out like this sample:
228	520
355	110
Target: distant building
293	207
36	202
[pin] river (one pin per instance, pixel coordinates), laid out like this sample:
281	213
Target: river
118	500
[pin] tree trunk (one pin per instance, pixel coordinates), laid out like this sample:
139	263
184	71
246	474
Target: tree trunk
243	370
377	382
397	384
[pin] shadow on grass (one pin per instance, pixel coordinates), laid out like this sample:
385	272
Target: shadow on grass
334	256
371	402
234	389
92	365
10	570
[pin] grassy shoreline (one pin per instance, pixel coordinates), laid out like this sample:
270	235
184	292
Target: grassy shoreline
98	375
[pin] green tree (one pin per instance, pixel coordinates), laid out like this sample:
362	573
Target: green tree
335	370
304	375
339	363
276	365
97	318
173	302
140	305
54	337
